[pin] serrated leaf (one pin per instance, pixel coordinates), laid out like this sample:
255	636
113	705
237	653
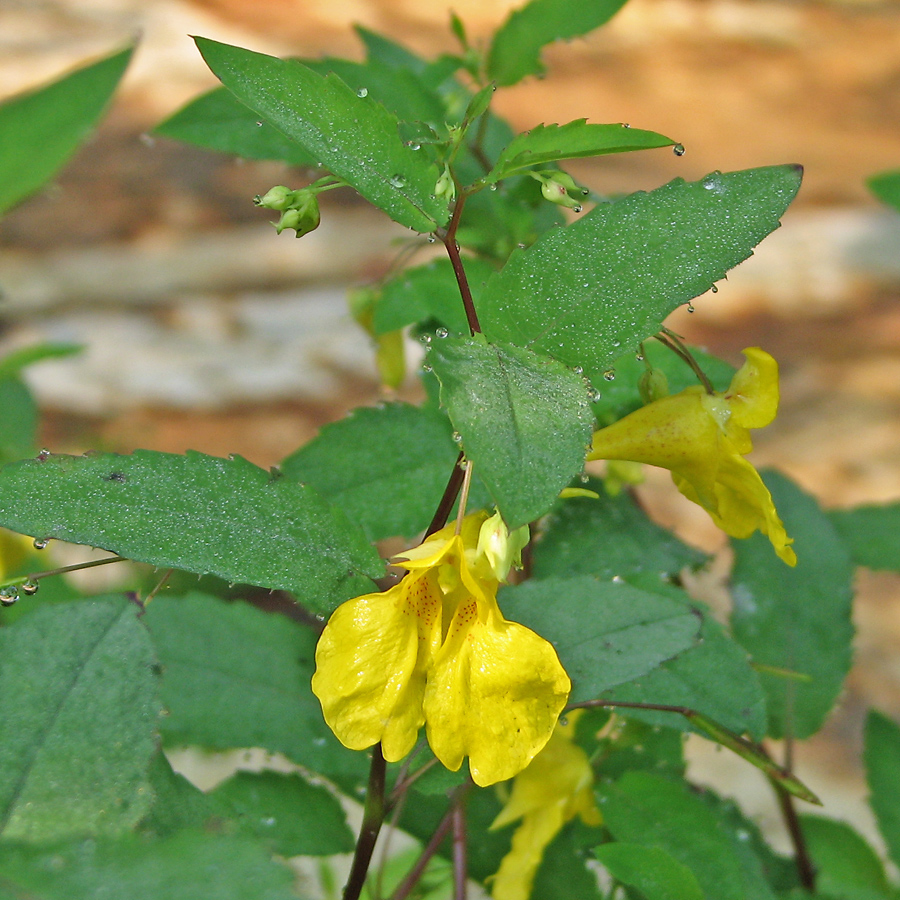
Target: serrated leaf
234	676
795	618
584	293
642	808
524	421
886	187
352	136
386	467
286	813
189	864
607	537
219	121
574	140
846	866
882	760
714	678
79	710
605	632
41	129
652	871
516	47
871	534
206	515
429	292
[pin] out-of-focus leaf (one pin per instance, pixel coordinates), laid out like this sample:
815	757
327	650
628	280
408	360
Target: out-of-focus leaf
586	293
882	759
346	132
795	618
524	420
79	710
652	871
41	129
18	420
871	534
516	48
206	515
886	187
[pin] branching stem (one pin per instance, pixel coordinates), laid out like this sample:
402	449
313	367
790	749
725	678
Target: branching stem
449	239
373	816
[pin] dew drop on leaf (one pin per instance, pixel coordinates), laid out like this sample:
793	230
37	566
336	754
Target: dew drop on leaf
610	375
715	289
362	92
678	149
690	307
8	595
397	181
457	437
441	332
40	543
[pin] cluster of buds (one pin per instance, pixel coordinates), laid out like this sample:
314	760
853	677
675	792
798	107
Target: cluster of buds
299	209
445	187
555	187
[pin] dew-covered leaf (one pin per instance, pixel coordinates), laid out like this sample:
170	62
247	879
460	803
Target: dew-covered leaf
206	515
606	633
797	619
871	534
346	132
385	467
515	51
524	420
882	760
79	710
646	809
41	129
188	864
607	537
286	813
234	676
586	293
549	143
652	871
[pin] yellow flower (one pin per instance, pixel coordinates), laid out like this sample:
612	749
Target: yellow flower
436	650
702	439
555	788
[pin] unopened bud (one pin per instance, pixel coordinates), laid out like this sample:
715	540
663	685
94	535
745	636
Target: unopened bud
653	385
279	197
501	548
445	187
555	187
303	215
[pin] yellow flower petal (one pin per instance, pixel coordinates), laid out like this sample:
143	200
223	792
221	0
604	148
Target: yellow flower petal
494	694
371	664
517	870
753	393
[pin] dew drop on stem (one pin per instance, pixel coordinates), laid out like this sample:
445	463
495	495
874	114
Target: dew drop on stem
30	587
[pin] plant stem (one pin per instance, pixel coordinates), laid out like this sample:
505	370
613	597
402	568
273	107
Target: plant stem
805	869
442	513
674	343
449	239
373	816
460	863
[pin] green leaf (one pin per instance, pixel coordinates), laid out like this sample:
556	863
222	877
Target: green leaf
385	467
795	618
352	136
882	760
886	187
642	808
871	534
516	48
549	143
383	50
18	420
234	676
189	864
652	871
224	517
563	873
41	129
524	419
177	804
429	292
286	813
79	707
847	868
714	678
219	121
605	632
636	746
607	537
585	293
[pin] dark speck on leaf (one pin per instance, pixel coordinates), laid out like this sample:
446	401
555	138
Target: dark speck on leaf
119	477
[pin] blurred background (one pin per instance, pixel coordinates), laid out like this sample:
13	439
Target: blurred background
202	329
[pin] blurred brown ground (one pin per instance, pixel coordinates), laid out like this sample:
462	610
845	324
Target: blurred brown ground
741	84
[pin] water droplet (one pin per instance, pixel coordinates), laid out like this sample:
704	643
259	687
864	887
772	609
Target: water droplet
609	375
639	357
678	149
577	208
426	367
30	587
585	478
362	92
398	180
413	145
43	455
259	124
579	370
585	192
690	308
441	332
625	125
40	543
563	721
492	187
425	338
431	239
148	140
715	289
457	437
8	595
618	579
594	395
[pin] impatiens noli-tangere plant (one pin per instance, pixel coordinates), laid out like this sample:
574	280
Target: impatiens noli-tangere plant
489	644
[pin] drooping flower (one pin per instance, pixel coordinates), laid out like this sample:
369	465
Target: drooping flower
556	787
702	439
436	650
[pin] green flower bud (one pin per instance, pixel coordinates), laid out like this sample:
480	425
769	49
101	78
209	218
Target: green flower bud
303	215
445	187
279	198
500	547
653	385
